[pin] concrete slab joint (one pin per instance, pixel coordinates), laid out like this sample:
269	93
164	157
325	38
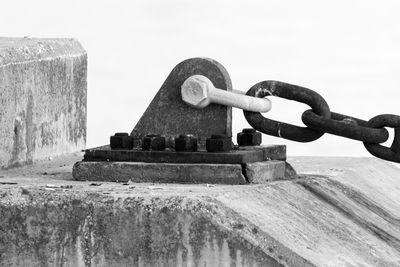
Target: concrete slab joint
43	92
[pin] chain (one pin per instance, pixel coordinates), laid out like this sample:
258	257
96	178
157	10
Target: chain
319	120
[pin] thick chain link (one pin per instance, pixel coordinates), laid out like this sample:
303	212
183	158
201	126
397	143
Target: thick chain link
291	92
345	126
320	120
392	153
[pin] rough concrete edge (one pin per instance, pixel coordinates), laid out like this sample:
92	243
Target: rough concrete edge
99	171
30	50
290	172
265	171
271	152
231	174
26	50
236	224
235	227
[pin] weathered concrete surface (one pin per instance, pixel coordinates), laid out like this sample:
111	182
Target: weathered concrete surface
342	212
265	171
141	172
271	152
42	99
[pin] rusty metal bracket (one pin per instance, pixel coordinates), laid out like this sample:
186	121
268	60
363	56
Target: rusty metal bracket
169	116
171	156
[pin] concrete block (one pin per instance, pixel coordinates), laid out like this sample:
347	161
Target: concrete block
271	152
42	99
159	172
342	212
290	172
265	171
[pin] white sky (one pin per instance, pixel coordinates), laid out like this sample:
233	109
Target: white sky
348	51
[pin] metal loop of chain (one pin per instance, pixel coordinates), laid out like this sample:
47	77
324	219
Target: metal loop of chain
320	120
291	92
345	126
392	153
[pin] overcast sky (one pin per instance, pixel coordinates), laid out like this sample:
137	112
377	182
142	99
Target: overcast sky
348	51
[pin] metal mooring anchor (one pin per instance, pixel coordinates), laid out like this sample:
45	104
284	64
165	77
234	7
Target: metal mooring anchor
185	136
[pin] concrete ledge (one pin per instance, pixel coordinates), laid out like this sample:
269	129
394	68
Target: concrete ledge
141	172
265	171
43	99
159	172
62	229
270	152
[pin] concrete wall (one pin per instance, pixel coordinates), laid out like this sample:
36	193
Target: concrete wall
42	99
53	229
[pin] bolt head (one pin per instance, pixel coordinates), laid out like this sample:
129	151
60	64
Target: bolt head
249	138
121	134
219	143
186	143
249	130
195	90
153	142
121	141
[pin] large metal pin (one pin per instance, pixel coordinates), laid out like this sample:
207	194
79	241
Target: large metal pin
198	91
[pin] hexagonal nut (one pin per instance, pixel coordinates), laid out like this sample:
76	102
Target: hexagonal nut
153	142
249	130
186	143
194	91
249	137
219	143
121	141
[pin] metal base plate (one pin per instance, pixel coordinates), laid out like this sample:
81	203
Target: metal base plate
258	164
105	153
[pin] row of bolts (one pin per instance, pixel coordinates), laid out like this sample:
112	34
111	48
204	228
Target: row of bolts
187	142
198	91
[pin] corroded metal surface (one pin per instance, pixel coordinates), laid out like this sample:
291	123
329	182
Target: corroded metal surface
346	126
391	153
249	137
169	116
290	92
169	166
320	120
170	156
